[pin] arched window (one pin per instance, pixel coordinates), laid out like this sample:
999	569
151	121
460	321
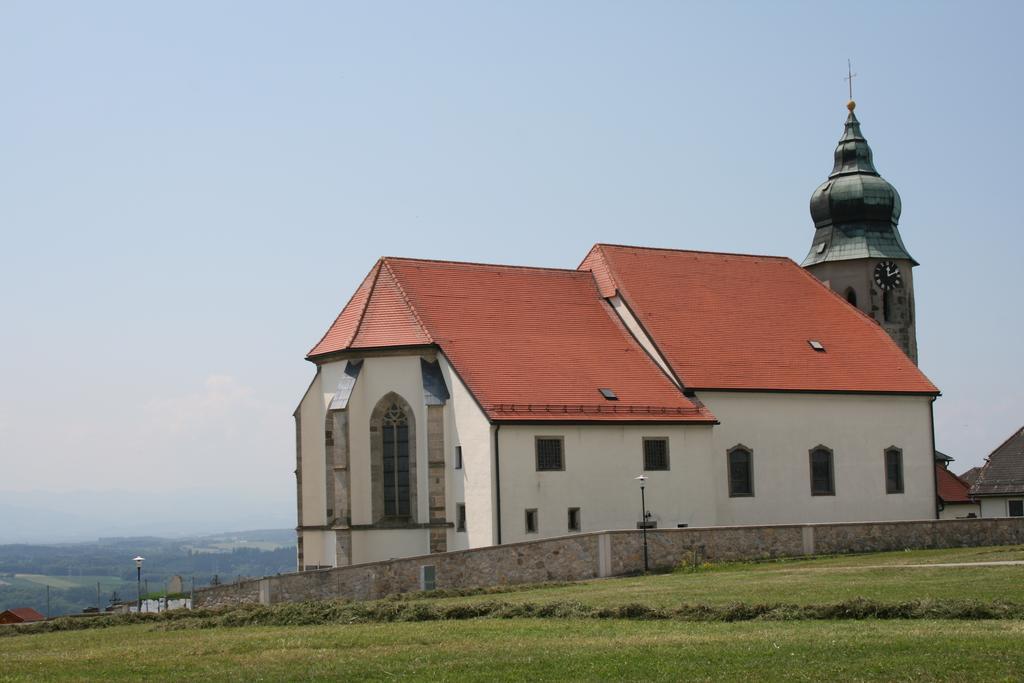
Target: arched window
393	461
395	436
887	306
823	481
893	470
851	296
741	471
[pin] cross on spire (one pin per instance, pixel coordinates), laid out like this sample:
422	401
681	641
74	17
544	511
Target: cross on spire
849	77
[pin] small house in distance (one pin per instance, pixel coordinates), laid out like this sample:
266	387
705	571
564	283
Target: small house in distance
954	496
953	492
1000	483
20	615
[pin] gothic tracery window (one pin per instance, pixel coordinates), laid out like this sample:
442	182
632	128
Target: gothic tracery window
395	433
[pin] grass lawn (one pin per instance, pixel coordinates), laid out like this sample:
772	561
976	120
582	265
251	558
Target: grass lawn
201	647
880	576
533	649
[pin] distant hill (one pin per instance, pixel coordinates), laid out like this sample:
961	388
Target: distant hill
72	570
68	517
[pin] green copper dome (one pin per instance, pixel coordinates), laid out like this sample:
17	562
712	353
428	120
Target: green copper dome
855	211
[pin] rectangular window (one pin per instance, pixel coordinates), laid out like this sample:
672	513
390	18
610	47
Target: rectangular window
741	472
1015	508
531	521
428	577
655	454
574	519
822	479
549	454
458	457
460	516
894	471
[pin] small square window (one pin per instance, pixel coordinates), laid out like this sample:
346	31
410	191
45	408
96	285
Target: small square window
816	345
531	521
655	454
549	454
574	519
460	516
1015	508
609	394
458	457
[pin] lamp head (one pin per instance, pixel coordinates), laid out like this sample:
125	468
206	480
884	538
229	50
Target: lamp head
138	560
642	479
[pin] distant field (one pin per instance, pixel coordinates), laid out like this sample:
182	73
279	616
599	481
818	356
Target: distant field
64	582
955	630
228	546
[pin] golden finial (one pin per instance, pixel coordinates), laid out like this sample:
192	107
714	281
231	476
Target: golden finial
851	105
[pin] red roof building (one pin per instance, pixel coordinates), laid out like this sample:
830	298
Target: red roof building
20	615
951	488
530	343
457	405
651	342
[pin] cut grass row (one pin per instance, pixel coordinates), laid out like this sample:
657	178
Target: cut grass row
386	611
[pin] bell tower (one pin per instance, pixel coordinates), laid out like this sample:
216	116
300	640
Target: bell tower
857	249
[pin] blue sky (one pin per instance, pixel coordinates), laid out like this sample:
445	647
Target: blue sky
189	192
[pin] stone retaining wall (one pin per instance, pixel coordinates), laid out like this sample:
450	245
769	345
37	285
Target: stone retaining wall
609	553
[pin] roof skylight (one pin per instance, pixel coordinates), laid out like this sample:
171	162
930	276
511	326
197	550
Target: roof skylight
609	394
816	345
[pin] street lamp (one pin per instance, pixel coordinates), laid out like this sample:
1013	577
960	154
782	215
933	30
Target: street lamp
644	515
138	571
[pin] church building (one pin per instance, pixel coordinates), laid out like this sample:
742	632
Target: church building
459	405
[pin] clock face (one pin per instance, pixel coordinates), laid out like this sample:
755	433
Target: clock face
888	276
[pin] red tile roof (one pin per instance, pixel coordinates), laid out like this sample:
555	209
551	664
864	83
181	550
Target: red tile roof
531	344
377	315
729	321
952	489
23	614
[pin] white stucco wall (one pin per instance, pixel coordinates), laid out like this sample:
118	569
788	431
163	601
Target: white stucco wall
384	544
997	506
601	462
464	425
467	426
315	550
960	510
378	377
781	428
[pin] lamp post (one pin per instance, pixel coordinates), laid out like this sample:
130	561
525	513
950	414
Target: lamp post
138	577
644	514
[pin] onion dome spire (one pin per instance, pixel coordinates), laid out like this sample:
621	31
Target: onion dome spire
855	211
